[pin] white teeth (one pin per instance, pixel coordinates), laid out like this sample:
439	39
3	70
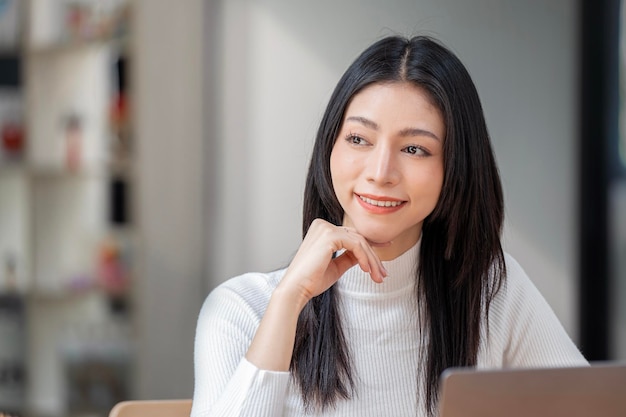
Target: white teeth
380	203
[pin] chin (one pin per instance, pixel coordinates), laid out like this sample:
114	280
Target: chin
387	235
377	236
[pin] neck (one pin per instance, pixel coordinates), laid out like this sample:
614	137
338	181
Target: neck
402	274
391	250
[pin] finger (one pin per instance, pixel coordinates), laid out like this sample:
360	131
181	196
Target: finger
349	258
375	261
353	242
364	254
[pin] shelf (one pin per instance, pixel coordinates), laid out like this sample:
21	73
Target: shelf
51	172
56	49
58	295
63	296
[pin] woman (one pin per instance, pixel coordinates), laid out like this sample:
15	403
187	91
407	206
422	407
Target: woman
401	272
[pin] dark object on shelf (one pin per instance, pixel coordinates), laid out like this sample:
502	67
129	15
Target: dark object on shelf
10	71
119	305
12	358
119	210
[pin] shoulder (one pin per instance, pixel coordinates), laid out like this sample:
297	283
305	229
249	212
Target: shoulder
516	283
517	293
248	293
524	325
519	299
514	270
250	284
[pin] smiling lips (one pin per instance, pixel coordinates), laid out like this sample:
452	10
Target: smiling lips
379	206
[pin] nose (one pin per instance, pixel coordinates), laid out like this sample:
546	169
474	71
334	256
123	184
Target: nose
382	167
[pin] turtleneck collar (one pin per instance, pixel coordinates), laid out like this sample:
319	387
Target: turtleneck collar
402	277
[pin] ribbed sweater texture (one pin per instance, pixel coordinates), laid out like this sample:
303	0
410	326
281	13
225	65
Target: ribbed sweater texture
380	322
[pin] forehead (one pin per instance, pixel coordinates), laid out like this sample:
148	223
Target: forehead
396	103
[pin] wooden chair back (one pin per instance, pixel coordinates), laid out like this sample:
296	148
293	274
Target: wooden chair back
152	408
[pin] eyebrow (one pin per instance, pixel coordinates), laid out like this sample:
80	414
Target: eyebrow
409	131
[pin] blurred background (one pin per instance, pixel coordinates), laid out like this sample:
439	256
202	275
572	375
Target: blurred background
150	150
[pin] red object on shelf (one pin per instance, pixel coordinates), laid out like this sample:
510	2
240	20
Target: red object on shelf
12	137
119	109
112	270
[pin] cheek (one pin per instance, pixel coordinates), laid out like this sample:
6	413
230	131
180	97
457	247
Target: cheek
337	168
436	176
437	184
429	182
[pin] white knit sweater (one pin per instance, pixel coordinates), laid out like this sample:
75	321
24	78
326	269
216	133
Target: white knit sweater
380	325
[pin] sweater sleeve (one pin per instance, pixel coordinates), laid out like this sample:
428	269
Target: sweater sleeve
531	334
226	384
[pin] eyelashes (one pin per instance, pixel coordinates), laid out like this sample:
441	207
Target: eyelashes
414	149
355	139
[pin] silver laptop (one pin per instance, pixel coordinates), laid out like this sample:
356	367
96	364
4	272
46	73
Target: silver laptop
595	391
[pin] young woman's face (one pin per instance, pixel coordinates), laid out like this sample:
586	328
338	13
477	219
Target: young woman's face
387	165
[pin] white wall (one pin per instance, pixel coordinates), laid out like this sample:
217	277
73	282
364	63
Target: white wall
167	69
276	62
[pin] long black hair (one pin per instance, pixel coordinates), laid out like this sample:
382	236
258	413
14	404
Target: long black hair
461	265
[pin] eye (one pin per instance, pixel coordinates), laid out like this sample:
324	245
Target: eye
416	150
355	140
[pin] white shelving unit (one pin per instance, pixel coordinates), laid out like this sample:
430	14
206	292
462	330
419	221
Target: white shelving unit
68	178
55	221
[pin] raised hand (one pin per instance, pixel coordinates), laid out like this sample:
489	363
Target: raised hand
312	271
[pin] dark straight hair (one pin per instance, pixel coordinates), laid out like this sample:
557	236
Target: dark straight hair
461	264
